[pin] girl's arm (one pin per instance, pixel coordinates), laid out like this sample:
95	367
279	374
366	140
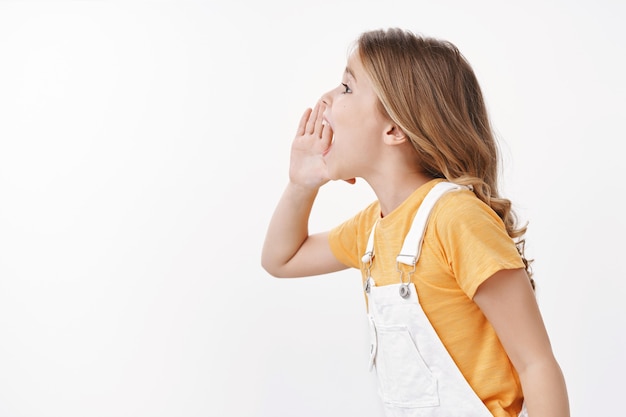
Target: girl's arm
289	250
509	303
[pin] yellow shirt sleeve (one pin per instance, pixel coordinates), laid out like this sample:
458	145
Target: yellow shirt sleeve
474	241
347	240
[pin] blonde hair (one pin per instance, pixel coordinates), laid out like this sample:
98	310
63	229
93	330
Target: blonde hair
429	90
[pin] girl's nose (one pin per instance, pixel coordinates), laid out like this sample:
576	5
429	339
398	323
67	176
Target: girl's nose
326	98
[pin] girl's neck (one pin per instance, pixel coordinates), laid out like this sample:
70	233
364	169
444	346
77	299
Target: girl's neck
393	190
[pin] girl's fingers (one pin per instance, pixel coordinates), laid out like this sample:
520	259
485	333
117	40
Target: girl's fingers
319	120
303	121
310	124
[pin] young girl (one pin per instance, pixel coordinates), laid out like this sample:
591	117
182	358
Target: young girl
456	330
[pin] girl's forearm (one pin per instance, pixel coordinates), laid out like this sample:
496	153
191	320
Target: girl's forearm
288	228
544	389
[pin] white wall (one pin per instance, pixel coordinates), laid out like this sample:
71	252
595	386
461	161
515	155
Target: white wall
143	146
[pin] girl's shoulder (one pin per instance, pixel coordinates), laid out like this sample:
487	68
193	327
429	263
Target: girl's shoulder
470	234
461	205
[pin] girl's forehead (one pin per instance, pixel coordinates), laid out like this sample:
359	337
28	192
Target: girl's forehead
354	68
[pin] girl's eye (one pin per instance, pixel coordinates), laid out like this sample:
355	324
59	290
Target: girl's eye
347	89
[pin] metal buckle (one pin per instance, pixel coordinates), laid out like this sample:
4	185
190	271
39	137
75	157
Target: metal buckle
405	291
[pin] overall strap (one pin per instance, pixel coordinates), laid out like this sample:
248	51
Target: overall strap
412	247
369	251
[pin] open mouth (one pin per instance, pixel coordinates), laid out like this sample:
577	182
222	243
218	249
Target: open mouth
326	123
325	151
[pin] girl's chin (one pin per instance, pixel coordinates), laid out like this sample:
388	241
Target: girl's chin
336	177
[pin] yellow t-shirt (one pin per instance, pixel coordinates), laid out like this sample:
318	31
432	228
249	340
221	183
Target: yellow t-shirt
464	244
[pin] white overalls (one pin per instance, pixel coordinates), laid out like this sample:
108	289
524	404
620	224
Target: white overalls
416	375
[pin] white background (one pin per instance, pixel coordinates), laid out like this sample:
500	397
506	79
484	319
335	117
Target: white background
143	146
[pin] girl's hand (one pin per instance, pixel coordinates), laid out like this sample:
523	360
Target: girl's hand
307	167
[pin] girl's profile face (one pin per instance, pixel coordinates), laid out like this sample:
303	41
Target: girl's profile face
353	114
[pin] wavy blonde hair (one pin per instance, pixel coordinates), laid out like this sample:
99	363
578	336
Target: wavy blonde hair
430	91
